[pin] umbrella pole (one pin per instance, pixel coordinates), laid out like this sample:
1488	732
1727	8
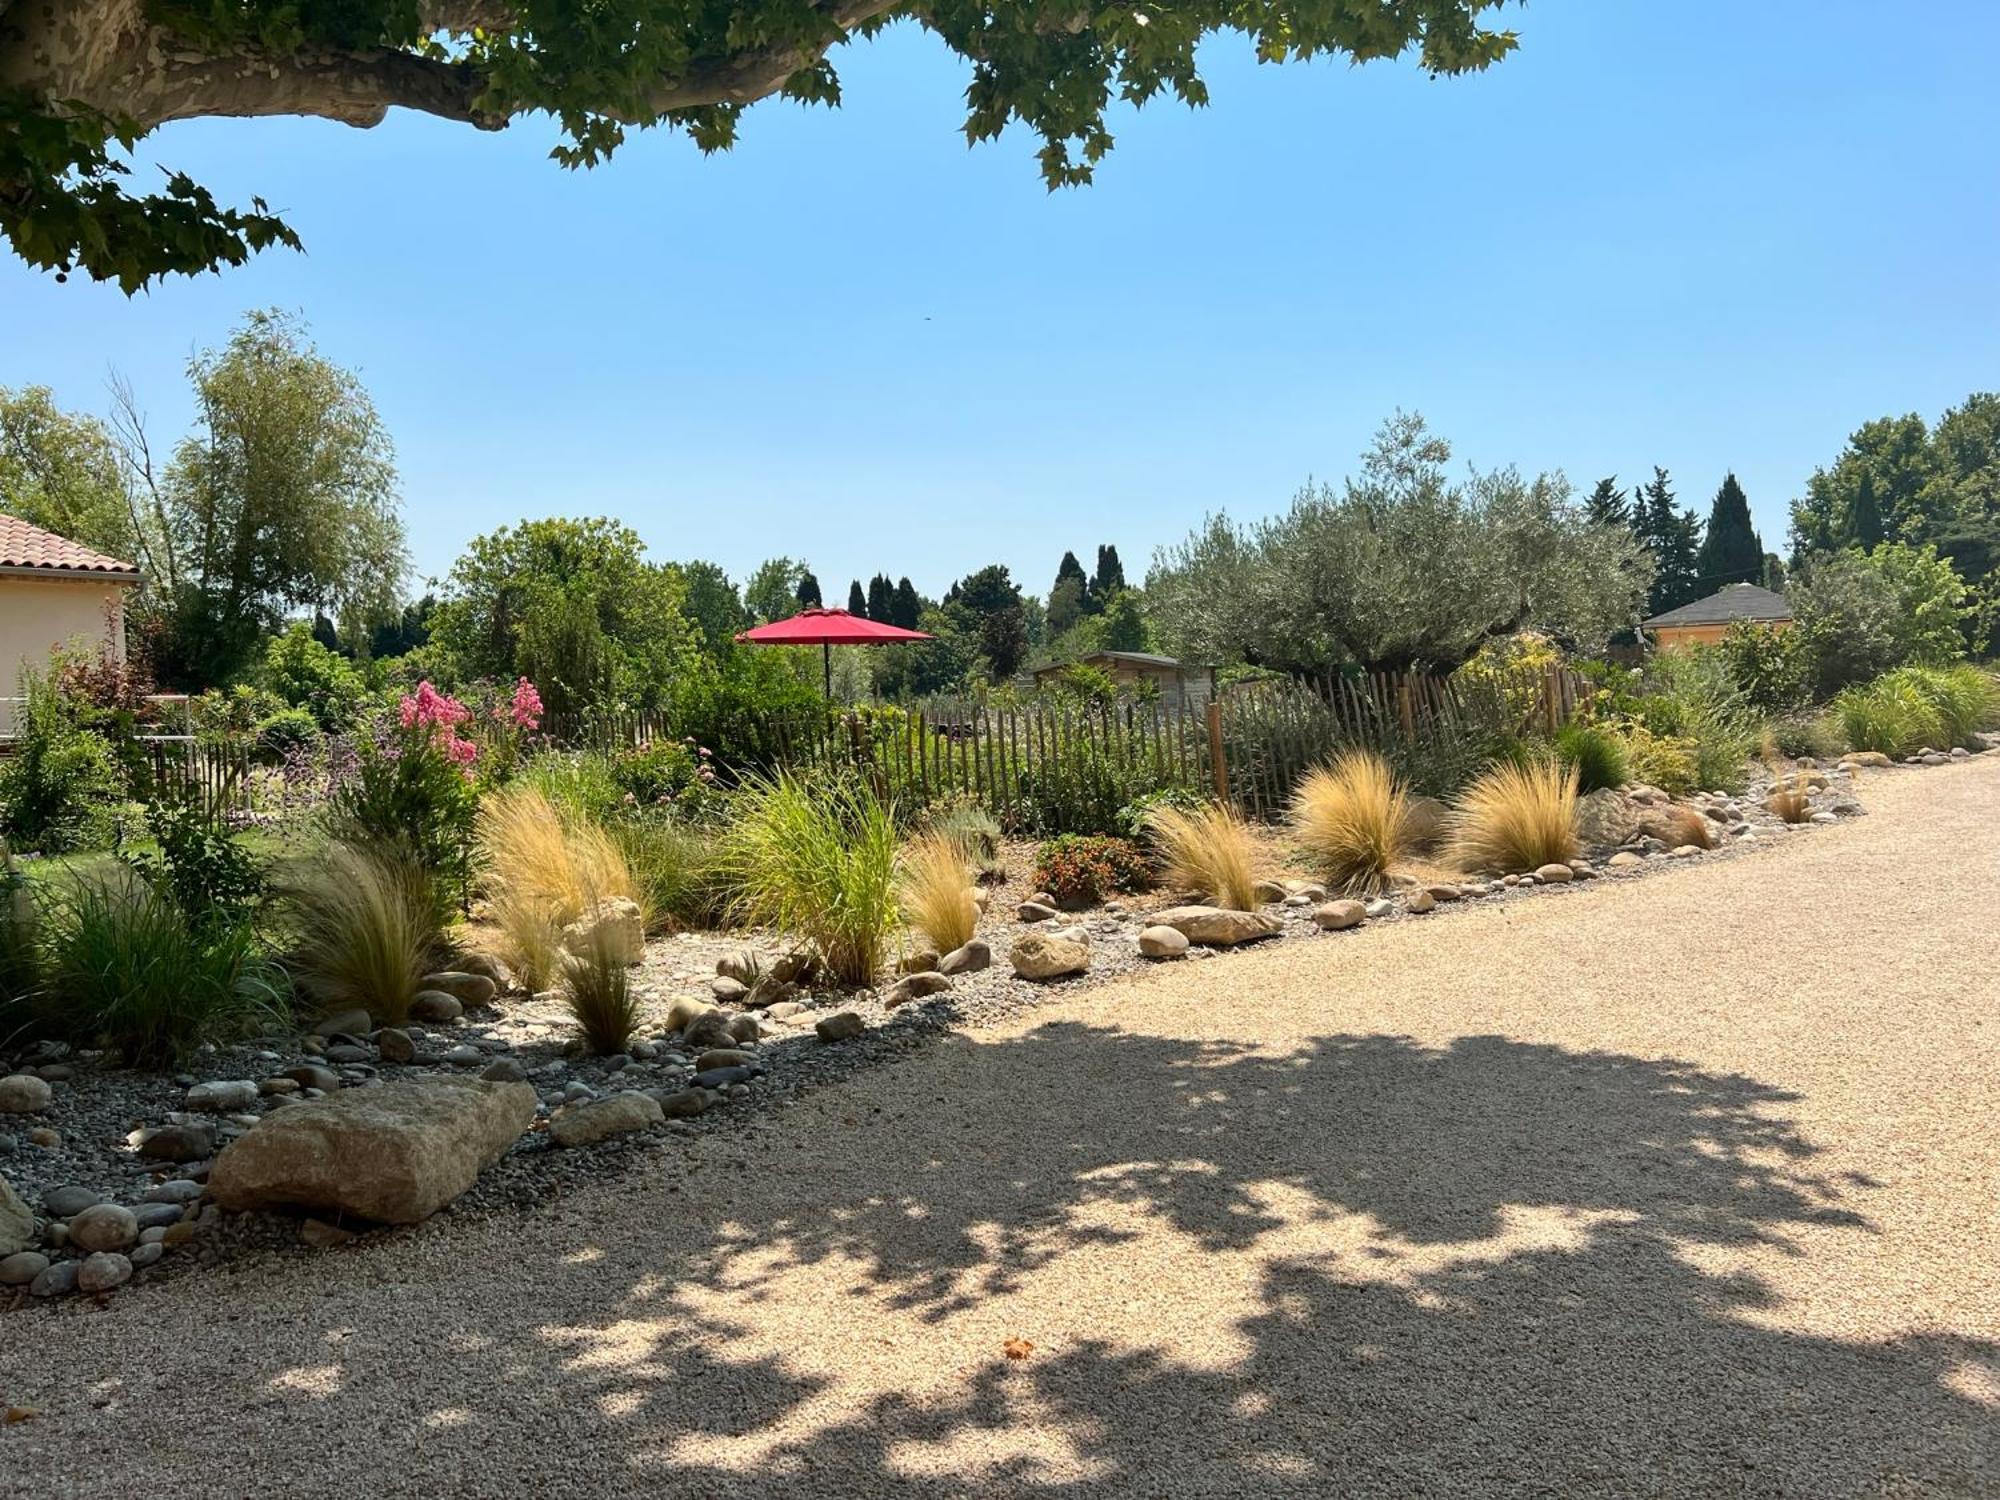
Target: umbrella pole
826	660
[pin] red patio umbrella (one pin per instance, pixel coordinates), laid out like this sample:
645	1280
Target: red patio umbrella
827	628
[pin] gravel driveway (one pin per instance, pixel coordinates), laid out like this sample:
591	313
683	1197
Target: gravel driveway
1682	1186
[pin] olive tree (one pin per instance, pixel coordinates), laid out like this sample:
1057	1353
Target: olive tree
80	79
1399	567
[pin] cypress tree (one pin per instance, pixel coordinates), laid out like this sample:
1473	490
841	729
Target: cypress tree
808	591
881	600
1866	528
1106	581
1731	550
857	604
1070	568
908	608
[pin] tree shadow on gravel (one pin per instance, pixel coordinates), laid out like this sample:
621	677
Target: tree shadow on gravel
1474	1272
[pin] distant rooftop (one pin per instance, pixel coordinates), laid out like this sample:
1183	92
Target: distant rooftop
1728	604
29	547
1137	658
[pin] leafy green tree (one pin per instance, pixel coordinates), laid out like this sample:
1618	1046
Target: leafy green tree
857	602
772	592
807	594
573	606
1673	537
988	606
1731	550
78	79
1861	614
62	472
908	607
282	498
1894	454
303	673
923	669
403	633
1400	567
1124	622
1607	505
711	603
1901	480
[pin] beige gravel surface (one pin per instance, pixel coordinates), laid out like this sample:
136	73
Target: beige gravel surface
1687	1185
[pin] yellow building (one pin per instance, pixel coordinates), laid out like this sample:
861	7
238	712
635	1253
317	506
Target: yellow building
52	592
1704	622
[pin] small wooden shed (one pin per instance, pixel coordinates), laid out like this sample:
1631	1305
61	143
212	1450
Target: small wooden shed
1180	685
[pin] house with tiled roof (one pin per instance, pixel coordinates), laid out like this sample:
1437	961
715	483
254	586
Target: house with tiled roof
1706	621
54	591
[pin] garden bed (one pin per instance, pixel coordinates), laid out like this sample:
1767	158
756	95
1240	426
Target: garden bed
82	1146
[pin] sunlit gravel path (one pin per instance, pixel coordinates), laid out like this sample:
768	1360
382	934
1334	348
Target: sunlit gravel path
1687	1185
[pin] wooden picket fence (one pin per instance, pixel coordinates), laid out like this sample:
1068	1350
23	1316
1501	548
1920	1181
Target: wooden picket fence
216	776
1250	744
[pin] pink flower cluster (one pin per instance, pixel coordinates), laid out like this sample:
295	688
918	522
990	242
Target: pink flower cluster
440	714
526	707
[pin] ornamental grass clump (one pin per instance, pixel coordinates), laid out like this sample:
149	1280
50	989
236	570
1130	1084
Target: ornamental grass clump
543	870
365	927
1790	801
1891	715
972	828
1598	755
933	887
1518	816
676	871
1964	698
1679	828
122	967
1205	849
597	989
816	859
1353	819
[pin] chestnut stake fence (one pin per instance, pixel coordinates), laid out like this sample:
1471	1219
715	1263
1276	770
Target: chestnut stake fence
1249	745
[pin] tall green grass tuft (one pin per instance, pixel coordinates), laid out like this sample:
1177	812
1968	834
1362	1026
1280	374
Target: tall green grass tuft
598	992
1518	816
676	871
1598	755
1692	698
817	858
1906	710
123	967
364	926
20	957
1353	819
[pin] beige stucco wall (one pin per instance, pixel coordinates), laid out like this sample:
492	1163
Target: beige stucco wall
39	614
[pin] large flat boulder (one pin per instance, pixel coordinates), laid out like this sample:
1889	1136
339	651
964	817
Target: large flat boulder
1217	927
394	1153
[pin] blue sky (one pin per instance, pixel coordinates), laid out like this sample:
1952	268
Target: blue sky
1706	235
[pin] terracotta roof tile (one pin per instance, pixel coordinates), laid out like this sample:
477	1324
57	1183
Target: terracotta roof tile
25	546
